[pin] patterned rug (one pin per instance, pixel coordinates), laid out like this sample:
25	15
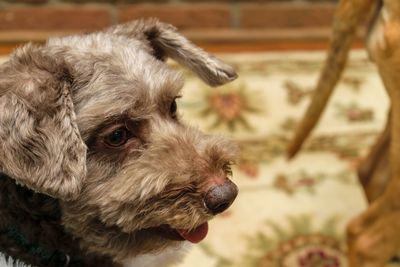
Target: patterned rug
288	214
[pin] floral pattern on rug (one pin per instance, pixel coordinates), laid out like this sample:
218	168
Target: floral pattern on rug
299	244
228	108
288	213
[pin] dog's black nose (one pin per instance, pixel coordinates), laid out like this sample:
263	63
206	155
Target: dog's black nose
220	197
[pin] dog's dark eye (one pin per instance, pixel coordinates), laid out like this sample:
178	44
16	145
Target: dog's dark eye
118	137
173	108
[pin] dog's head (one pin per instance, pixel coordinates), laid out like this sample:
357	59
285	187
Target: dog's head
92	120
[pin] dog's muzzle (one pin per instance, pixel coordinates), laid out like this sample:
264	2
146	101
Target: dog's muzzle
221	196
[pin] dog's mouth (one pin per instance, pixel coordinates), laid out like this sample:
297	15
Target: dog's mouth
194	236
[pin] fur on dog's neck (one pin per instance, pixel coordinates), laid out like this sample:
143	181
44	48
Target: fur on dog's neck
31	231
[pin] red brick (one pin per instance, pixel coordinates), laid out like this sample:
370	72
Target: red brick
141	1
205	1
258	1
236	1
286	15
27	1
182	16
55	18
115	1
90	1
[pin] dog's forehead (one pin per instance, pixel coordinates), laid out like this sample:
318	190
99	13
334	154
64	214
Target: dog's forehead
118	76
117	59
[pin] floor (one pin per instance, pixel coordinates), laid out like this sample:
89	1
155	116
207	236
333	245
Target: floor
288	214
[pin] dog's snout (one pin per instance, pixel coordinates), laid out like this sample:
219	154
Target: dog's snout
220	197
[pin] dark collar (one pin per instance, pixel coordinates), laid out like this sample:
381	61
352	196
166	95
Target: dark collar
47	257
44	256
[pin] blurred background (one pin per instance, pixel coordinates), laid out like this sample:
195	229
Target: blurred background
224	25
288	214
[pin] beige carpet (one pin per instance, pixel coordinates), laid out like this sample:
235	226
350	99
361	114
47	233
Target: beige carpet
288	214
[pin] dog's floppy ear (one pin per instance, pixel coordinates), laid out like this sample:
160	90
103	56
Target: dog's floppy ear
40	145
165	41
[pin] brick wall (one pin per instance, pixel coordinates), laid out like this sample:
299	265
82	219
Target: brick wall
62	15
215	21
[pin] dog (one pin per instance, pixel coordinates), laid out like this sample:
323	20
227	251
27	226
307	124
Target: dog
97	167
372	236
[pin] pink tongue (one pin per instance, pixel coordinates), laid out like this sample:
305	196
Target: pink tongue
196	235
